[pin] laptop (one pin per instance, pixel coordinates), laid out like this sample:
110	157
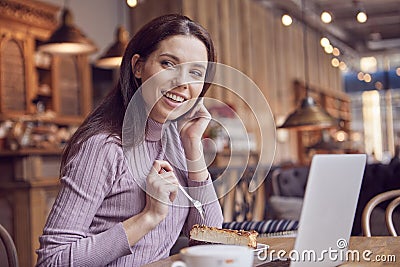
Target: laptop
327	215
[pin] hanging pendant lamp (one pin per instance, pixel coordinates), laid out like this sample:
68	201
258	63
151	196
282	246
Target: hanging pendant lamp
68	39
326	143
113	56
308	116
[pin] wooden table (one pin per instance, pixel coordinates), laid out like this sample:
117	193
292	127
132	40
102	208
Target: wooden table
380	247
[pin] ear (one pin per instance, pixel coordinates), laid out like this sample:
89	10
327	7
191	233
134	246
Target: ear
136	66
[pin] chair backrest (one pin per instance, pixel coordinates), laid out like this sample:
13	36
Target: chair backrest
290	182
11	251
238	204
366	216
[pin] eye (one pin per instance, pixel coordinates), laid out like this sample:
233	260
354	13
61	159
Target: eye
197	73
167	63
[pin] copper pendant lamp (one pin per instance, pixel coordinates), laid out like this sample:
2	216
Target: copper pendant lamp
113	56
326	143
308	116
68	39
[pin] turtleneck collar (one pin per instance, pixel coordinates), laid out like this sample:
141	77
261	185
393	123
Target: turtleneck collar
154	130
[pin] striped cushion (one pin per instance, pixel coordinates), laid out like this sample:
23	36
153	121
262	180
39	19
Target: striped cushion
268	227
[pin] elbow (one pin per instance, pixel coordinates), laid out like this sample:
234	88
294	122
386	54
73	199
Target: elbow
57	256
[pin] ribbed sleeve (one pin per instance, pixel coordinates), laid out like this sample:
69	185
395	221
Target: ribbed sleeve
100	190
86	181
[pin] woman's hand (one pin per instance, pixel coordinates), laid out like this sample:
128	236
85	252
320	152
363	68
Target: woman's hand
161	189
192	126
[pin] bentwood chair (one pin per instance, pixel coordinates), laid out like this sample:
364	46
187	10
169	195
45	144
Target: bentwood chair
11	251
393	195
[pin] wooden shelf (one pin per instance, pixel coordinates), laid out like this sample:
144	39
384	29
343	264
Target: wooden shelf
60	120
29	177
30	151
43	183
337	104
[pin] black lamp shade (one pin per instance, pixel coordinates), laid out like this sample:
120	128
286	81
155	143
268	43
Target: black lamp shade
113	56
309	116
68	39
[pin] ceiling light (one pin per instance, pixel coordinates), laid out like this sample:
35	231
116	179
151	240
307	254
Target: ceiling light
326	17
367	78
378	85
362	17
342	66
132	3
286	20
328	49
361	14
341	136
67	39
398	71
324	42
368	64
309	116
360	76
326	143
336	52
113	56
335	62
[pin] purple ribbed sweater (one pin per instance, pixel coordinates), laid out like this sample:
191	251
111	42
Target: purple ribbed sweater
99	192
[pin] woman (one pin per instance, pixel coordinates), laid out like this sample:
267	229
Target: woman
103	215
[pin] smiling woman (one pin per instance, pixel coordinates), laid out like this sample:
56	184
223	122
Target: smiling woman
177	65
120	209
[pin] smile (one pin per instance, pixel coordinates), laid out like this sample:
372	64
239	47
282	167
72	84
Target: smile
174	97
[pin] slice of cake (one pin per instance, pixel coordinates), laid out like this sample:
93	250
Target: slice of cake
201	234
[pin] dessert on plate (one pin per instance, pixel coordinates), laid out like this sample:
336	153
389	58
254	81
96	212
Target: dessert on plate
201	234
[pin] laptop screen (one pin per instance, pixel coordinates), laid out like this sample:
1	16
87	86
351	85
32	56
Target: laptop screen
328	210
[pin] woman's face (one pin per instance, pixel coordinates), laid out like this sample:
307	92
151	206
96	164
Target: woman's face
172	76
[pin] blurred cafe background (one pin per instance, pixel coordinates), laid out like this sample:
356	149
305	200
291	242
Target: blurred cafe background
329	70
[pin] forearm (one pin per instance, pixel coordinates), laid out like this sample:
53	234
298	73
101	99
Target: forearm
139	225
196	164
76	250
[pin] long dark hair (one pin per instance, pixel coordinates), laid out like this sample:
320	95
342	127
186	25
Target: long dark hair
108	117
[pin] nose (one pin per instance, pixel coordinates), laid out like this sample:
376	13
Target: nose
181	78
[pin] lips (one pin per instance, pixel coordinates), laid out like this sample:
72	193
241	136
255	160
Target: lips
174	97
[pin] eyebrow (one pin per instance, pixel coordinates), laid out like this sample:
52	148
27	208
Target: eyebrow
198	65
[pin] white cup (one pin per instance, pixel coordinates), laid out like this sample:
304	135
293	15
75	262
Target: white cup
215	256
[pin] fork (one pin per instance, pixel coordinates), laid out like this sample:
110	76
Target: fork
197	204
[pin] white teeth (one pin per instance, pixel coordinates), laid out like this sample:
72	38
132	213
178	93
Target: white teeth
177	98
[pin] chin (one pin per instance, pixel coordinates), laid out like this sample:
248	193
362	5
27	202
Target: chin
173	115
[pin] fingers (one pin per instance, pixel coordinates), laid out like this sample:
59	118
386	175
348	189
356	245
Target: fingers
200	111
196	108
161	165
203	113
162	190
162	183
